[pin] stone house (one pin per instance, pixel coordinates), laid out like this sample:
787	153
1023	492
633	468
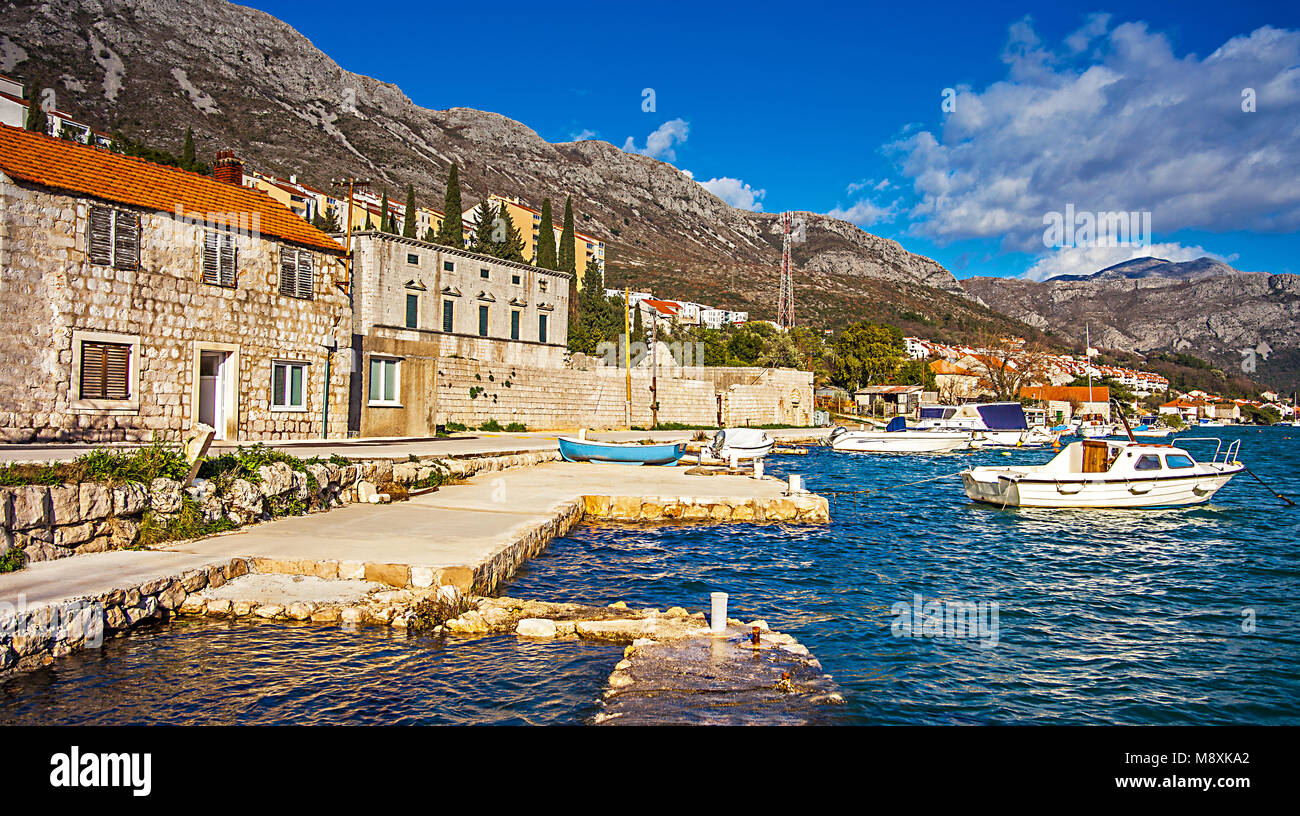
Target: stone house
141	299
416	303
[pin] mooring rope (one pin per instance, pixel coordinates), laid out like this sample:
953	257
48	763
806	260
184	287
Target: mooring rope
1268	487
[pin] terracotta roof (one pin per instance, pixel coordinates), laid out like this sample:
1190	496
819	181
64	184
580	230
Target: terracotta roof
948	367
1066	393
662	306
91	171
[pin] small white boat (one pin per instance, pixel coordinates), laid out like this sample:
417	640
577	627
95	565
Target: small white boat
897	438
741	443
1096	473
1149	431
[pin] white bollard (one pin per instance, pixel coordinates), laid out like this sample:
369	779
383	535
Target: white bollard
582	434
796	483
718	621
758	468
735	461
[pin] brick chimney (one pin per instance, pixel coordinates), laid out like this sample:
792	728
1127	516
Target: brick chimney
229	169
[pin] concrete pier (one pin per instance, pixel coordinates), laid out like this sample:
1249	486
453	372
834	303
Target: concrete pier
469	536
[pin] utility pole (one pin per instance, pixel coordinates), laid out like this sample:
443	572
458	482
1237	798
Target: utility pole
654	372
627	355
351	183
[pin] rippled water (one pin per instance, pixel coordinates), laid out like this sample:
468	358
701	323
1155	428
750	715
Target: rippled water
207	672
1103	616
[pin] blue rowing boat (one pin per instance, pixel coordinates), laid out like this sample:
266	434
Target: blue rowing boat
620	453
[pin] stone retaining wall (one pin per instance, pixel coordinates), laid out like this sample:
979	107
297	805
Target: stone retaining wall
49	522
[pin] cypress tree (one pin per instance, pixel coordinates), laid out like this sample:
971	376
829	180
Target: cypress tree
430	236
544	256
511	247
449	234
408	220
383	212
568	259
480	240
36	119
187	152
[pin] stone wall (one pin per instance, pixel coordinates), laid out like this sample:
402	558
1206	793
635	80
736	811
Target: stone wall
470	392
49	522
52	292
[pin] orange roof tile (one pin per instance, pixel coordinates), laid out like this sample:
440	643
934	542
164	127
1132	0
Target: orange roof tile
74	168
1065	393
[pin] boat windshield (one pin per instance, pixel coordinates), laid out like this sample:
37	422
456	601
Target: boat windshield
1179	460
1147	461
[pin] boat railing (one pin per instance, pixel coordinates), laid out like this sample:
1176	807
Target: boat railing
1228	454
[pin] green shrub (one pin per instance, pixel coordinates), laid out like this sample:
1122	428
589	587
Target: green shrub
160	458
432	612
516	426
13	560
491	425
187	523
456	427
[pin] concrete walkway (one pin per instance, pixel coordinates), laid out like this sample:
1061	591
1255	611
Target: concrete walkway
460	445
458	525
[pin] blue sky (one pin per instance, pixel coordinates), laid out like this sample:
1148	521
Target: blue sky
837	108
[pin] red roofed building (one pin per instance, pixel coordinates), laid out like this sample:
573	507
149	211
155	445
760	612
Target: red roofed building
143	299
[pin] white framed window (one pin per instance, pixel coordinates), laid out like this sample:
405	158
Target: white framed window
105	372
385	381
288	385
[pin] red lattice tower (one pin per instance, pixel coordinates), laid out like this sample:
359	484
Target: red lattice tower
785	297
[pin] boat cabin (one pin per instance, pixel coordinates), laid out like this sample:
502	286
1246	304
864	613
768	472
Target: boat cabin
1120	458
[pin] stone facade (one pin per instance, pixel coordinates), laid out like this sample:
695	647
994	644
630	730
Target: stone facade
55	300
415	302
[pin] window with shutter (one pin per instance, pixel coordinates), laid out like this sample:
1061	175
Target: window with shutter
126	240
220	256
306	278
228	258
101	236
105	371
288	272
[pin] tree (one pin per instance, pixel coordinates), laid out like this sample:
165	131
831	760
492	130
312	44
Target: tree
544	257
599	318
329	221
481	240
567	255
36	118
638	325
867	353
369	224
408	218
1006	365
383	212
187	152
779	352
745	346
510	245
449	233
430	236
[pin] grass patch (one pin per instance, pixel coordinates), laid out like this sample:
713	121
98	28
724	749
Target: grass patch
187	523
160	458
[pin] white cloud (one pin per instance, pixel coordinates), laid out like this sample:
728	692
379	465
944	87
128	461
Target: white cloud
661	142
582	135
865	212
1114	120
735	192
688	174
1077	260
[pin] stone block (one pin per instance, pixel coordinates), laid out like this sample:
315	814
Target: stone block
65	506
398	575
31	507
422	577
461	578
165	495
94	501
352	570
74	534
130	499
536	628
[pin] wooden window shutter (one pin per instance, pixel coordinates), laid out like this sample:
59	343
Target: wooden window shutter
105	371
306	278
211	258
100	243
126	240
288	272
228	256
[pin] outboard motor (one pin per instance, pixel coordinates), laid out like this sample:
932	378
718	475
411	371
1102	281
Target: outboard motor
839	431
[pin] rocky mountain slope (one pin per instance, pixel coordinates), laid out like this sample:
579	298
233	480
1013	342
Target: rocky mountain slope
247	81
1204	308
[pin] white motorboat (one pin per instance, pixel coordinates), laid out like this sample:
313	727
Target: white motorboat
1093	428
991	424
897	438
741	443
1104	473
1148	431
